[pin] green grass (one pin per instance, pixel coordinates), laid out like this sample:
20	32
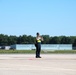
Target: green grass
17	51
61	52
33	52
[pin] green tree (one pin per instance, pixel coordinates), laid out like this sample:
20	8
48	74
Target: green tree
74	44
54	40
12	40
3	40
65	40
46	39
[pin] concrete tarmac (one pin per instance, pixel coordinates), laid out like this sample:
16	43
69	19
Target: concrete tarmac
27	64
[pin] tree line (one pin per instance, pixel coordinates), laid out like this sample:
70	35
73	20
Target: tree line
6	40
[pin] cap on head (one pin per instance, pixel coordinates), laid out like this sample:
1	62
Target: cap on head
37	33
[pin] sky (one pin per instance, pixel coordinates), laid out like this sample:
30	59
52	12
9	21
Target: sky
48	17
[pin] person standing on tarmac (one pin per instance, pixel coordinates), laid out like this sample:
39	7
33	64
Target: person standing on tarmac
38	45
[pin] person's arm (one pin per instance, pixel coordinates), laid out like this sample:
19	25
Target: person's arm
42	38
36	38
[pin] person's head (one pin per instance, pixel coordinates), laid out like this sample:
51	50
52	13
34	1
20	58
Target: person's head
37	34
